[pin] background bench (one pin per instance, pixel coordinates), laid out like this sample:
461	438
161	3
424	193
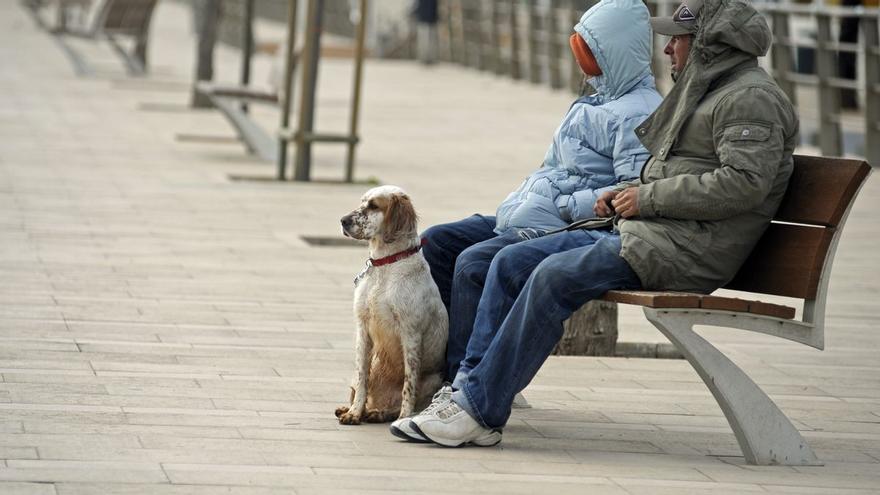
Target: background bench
112	20
228	100
793	259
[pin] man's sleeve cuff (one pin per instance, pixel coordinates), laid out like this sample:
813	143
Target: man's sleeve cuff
647	208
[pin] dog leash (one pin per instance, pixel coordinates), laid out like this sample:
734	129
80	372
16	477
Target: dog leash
387	260
594	223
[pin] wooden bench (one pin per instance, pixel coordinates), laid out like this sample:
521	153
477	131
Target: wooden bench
793	259
114	19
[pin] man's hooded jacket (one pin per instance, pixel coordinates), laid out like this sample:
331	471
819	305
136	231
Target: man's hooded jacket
721	145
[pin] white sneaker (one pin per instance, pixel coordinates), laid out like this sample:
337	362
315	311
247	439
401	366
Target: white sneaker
451	426
402	427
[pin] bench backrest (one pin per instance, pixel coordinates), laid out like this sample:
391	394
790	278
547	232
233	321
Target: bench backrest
126	17
798	246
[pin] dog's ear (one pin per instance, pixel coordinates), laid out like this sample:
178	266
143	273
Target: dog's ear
400	218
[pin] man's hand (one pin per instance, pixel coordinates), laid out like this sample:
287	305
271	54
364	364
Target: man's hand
603	208
626	204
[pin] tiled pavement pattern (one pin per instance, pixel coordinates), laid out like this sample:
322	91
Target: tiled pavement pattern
165	330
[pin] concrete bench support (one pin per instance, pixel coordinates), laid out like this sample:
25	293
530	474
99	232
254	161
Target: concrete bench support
764	433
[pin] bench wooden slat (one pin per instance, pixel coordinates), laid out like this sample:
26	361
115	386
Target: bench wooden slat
820	189
787	261
688	300
725	303
654	299
768	309
130	17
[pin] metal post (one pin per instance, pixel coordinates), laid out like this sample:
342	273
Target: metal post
515	69
208	16
552	37
356	92
61	18
472	34
446	24
869	27
534	70
782	55
495	39
576	75
456	30
287	90
247	46
829	96
311	54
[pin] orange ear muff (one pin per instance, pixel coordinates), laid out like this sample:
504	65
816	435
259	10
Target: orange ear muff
584	55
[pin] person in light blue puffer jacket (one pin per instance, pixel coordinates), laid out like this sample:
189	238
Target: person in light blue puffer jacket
594	148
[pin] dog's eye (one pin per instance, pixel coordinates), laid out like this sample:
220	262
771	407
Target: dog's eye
371	206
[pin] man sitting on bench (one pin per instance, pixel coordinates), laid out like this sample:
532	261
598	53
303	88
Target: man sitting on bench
721	145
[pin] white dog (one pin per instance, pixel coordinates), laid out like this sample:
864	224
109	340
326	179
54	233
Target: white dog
402	323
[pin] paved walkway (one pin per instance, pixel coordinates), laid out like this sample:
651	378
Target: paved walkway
166	330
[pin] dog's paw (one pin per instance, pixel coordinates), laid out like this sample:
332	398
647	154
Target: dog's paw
349	419
377	416
341	410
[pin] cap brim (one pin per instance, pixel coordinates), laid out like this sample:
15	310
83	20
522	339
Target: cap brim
665	25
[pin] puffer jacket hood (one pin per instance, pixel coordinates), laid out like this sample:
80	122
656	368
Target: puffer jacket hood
615	33
729	33
595	145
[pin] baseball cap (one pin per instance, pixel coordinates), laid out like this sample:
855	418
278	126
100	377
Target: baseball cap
683	20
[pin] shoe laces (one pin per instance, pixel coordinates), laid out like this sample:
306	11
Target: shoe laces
448	410
440	398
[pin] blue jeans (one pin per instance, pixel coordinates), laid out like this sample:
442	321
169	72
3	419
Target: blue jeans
530	289
459	255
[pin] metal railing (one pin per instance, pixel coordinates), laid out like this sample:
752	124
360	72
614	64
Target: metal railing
825	77
527	39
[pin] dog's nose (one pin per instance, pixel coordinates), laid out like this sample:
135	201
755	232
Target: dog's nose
346	221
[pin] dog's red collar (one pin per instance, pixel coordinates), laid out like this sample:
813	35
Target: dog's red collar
387	260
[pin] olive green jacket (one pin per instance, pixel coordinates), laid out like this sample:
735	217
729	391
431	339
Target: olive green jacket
721	145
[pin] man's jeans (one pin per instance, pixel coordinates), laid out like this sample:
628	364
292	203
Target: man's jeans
531	287
459	254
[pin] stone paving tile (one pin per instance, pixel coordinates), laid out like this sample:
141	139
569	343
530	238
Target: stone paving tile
808	490
640	487
353	479
113	400
22	488
70	428
51	471
166	489
788	477
18	453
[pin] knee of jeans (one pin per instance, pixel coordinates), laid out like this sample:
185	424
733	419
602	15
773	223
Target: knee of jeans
434	237
508	258
471	264
549	274
433	250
